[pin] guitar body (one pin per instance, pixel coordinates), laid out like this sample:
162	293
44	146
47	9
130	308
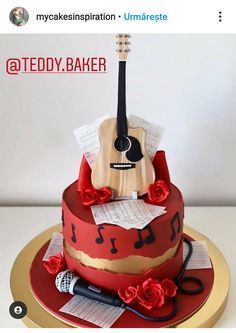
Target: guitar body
112	168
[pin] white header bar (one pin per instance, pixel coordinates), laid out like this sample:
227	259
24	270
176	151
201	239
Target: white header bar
111	16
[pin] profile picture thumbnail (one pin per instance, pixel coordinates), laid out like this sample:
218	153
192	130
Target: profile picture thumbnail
19	16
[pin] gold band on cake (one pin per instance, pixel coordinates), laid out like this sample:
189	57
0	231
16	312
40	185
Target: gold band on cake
130	265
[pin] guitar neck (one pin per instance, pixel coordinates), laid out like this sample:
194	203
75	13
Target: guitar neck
122	127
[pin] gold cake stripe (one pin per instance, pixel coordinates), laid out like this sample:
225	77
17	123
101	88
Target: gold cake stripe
132	264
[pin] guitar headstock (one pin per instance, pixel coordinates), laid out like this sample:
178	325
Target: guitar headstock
123	46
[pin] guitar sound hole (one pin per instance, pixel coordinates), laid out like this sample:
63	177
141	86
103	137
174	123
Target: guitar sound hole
122	143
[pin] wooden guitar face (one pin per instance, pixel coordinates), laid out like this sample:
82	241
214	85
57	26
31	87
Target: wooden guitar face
122	163
112	168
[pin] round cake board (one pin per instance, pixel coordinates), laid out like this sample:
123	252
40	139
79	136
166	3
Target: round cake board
38	316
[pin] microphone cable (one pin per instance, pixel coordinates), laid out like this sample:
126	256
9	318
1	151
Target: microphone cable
180	279
156	319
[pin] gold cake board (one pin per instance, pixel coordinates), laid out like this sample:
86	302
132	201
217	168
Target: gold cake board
37	316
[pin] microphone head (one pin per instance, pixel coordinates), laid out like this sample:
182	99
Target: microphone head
63	281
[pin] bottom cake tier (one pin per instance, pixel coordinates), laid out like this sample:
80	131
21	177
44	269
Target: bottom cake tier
42	285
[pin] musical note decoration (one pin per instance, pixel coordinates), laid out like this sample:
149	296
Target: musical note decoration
149	239
73	237
172	222
99	239
113	249
62	218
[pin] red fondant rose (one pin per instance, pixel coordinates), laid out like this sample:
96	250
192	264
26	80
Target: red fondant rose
89	196
158	192
168	287
55	264
128	295
104	195
150	294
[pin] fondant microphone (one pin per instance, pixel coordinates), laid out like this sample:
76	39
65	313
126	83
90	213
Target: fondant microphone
68	282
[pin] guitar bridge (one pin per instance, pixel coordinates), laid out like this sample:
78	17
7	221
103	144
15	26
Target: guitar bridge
122	166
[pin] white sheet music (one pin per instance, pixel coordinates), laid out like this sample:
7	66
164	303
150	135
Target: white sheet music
87	137
200	258
55	246
95	312
154	133
126	213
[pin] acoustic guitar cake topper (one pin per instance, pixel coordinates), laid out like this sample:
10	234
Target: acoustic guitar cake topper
122	162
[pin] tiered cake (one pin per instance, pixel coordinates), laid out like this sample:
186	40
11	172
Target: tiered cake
140	267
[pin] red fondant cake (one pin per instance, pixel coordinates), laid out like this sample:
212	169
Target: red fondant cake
143	268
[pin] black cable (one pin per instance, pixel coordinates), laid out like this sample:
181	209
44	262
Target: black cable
180	279
156	319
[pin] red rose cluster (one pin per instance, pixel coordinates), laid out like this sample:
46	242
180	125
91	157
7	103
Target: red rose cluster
150	294
55	264
91	196
157	192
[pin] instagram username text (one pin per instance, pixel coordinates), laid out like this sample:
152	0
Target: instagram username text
55	65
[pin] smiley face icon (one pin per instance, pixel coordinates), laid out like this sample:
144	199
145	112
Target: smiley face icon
18	310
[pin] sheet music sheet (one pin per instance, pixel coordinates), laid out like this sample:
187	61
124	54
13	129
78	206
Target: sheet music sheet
87	137
55	246
200	258
126	213
95	312
154	133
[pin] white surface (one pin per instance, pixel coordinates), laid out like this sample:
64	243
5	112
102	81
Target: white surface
20	225
186	83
